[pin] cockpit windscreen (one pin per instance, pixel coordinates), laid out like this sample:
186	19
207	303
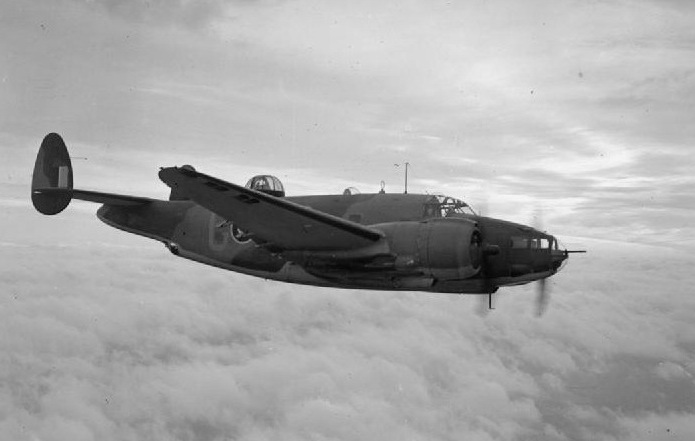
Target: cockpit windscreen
445	206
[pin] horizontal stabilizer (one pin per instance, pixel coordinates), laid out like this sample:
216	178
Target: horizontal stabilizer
93	196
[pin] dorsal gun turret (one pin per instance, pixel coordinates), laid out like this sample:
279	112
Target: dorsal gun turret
267	184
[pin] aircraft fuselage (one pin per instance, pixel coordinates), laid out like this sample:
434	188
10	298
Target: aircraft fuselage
422	250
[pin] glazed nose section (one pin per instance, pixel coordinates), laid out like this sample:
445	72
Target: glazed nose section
559	256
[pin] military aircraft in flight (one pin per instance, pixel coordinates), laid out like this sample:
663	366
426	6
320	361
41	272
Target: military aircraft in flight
380	241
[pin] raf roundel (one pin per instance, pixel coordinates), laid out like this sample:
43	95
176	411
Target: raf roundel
238	235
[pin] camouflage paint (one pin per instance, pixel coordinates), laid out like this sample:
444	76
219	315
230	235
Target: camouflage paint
432	254
407	242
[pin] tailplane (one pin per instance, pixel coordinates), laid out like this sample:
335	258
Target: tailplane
53	170
51	185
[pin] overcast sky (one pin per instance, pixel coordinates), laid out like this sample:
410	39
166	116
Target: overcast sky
583	110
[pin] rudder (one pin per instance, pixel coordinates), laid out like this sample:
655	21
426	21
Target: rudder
53	169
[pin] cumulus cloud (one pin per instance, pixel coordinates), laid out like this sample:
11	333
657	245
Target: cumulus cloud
108	336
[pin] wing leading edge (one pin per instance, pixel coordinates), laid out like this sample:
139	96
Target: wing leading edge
274	221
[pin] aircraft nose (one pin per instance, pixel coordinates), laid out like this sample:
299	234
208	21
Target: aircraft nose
556	259
559	256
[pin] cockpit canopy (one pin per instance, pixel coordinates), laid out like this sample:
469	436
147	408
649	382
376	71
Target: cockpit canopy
266	184
445	206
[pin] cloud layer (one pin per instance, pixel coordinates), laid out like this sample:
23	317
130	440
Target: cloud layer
580	110
117	339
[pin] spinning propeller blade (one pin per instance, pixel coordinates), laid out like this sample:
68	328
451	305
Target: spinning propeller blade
542	297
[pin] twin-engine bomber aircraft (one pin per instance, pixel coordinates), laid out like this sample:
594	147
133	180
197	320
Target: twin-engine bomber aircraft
377	241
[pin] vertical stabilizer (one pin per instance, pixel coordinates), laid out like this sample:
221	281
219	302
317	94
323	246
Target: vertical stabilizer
52	170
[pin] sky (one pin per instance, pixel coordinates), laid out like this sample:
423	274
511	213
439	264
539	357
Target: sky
581	111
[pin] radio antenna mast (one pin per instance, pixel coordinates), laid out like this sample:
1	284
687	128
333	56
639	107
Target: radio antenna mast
407	164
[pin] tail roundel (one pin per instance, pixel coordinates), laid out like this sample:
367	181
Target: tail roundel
51	184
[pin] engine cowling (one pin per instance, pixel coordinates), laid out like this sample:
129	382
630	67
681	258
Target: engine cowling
446	249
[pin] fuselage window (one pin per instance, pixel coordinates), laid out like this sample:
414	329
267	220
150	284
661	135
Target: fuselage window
533	243
519	242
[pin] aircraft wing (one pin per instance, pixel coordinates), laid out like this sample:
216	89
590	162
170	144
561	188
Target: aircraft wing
276	222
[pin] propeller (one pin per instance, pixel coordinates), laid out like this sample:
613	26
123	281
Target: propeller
542	293
538	219
486	304
555	257
542	297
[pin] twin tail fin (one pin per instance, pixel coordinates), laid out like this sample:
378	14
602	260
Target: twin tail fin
52	182
52	171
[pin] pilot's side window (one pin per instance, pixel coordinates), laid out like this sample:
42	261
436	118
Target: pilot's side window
431	210
533	243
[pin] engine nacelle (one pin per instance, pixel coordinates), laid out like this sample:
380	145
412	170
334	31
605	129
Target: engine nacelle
446	249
